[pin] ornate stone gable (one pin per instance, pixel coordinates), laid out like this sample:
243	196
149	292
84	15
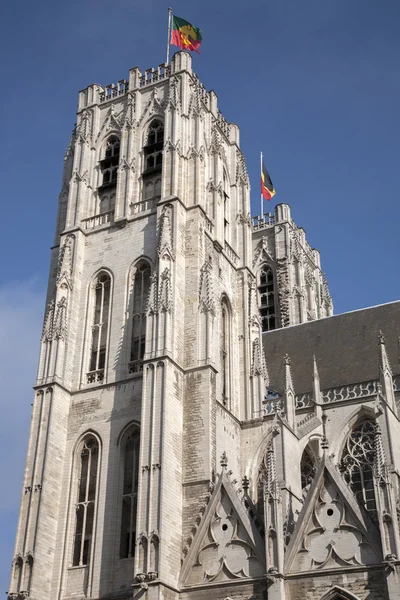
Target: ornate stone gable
264	251
113	122
332	531
227	545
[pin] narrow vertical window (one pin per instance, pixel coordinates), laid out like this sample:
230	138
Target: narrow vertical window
153	159
357	464
102	291
85	506
130	450
110	162
140	292
307	469
225	351
266	296
226	206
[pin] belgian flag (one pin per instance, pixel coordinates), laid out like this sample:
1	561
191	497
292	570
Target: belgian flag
267	187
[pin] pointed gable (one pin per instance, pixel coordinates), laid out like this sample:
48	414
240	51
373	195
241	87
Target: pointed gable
332	530
227	545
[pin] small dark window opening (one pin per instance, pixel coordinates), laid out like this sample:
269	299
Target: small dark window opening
110	162
267	299
153	151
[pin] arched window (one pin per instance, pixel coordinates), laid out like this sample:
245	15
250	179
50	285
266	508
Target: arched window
153	157
109	164
17	573
224	347
226	205
357	464
85	506
267	299
307	468
140	293
130	456
102	292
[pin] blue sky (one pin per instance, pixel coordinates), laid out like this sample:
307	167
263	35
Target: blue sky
313	84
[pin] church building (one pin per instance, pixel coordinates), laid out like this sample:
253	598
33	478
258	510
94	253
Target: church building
202	425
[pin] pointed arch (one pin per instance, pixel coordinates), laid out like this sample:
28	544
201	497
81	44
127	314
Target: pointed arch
225	349
98	324
139	289
129	444
308	468
153	150
87	455
339	593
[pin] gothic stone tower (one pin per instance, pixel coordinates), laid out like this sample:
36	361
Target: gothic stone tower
166	456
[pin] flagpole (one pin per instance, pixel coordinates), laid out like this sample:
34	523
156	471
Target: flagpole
262	202
169	34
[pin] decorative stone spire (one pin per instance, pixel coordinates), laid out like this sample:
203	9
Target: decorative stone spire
64	270
289	399
152	301
47	333
259	366
385	373
206	292
271	475
165	293
60	320
165	232
254	312
317	389
379	454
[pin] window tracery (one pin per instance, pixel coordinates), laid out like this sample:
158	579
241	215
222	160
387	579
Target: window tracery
85	506
102	293
153	158
357	464
140	293
266	296
109	164
130	451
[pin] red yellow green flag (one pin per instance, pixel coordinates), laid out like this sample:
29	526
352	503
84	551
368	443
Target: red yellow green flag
185	35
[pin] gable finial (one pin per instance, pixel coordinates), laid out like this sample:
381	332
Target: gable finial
224	460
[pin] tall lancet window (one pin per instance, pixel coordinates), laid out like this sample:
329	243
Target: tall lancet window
307	469
266	297
358	462
153	158
109	163
224	348
98	352
86	501
130	456
140	294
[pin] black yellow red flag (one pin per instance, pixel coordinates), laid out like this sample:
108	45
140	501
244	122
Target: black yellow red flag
267	188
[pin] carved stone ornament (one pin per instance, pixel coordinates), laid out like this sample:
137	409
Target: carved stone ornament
259	366
64	269
174	100
154	106
206	292
47	333
164	245
84	127
129	116
264	251
113	122
60	320
225	553
165	292
241	168
152	301
333	538
282	276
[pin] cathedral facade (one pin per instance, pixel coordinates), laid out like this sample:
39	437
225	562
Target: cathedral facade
202	425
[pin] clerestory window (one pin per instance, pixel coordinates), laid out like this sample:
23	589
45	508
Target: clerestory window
358	462
98	351
130	457
140	293
86	500
266	295
109	164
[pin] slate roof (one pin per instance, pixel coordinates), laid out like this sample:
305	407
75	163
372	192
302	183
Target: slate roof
346	347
